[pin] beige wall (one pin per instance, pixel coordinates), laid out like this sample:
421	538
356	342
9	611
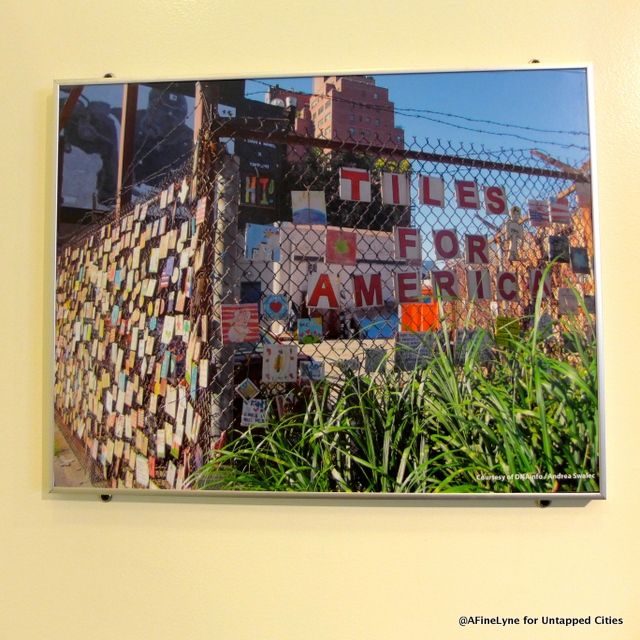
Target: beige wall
76	568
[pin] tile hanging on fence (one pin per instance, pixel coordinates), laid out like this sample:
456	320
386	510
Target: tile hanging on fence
279	363
240	323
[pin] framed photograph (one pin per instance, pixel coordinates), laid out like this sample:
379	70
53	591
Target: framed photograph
410	260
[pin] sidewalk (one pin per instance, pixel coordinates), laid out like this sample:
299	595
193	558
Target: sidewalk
67	470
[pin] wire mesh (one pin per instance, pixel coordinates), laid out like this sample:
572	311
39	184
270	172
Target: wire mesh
181	318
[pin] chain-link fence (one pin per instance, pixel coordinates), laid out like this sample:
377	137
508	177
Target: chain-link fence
276	259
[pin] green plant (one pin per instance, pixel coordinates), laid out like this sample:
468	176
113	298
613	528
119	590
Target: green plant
520	417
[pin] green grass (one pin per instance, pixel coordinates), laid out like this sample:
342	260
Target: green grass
453	425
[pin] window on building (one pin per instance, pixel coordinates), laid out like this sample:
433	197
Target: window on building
377	122
352	117
375	95
367	119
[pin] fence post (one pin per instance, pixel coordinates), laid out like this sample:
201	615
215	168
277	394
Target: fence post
126	148
224	279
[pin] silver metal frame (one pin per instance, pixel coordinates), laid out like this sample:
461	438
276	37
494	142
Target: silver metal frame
50	491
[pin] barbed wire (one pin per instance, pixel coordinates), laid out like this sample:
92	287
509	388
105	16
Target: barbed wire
495	122
407	112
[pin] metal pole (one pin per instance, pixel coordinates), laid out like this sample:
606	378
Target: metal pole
255	129
224	277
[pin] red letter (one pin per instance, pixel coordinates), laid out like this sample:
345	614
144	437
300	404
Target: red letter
478	285
477	249
367	290
321	287
350	188
446	244
467	194
408	286
446	284
431	191
535	278
495	200
507	286
407	240
395	188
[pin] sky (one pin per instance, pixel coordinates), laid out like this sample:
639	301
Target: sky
554	100
513	110
545	109
551	99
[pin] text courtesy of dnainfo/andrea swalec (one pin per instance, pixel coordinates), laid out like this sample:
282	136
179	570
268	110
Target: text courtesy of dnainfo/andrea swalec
557	621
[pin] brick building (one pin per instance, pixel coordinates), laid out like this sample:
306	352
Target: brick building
350	108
